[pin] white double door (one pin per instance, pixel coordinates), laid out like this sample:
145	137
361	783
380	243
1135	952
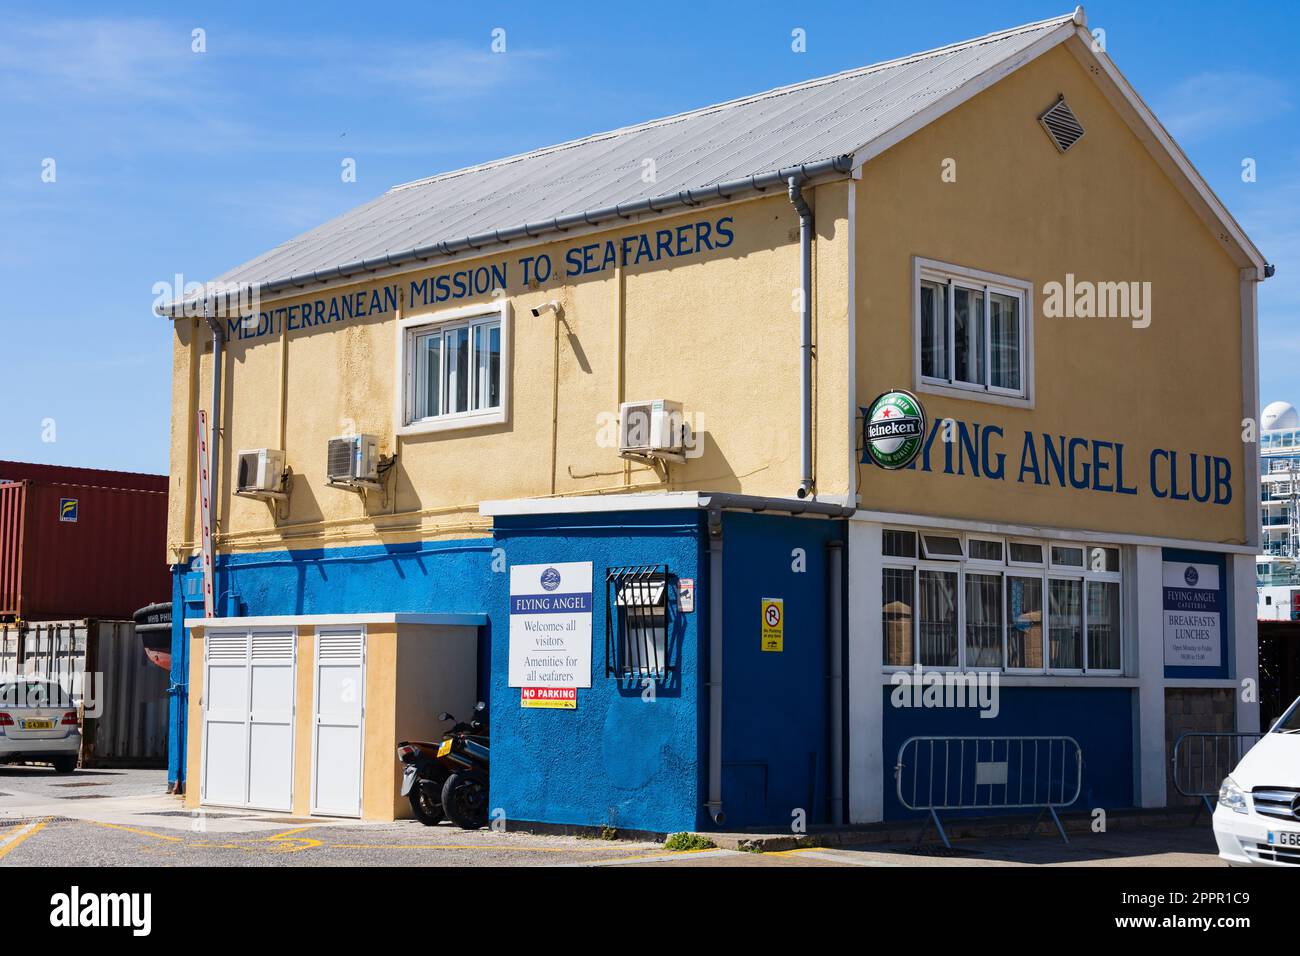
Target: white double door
248	708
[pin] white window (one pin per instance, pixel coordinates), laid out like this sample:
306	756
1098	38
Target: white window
1001	606
972	333
454	369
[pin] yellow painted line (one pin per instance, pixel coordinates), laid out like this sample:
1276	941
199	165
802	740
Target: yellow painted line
455	846
27	831
148	833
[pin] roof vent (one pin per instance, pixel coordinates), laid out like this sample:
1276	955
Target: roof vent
1062	125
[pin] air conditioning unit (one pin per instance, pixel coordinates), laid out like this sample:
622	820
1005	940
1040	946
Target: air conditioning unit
654	429
261	471
353	460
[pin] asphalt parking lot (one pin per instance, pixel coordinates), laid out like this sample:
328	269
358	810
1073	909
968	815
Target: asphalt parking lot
125	818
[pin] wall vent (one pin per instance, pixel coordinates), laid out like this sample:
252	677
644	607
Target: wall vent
1062	125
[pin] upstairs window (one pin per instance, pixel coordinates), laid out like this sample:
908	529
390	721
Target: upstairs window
454	368
971	332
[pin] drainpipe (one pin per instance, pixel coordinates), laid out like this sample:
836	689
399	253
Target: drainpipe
834	556
805	332
214	439
714	803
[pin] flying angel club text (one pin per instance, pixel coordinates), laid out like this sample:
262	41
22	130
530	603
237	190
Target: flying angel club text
955	447
680	242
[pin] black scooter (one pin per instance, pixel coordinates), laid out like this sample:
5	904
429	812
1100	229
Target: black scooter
449	778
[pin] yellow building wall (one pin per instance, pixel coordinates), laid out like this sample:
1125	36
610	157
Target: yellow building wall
1104	211
718	331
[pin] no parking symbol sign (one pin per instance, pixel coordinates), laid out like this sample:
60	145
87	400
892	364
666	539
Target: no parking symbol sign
773	624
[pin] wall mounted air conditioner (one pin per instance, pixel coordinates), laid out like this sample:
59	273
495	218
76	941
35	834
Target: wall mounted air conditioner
261	472
353	460
653	429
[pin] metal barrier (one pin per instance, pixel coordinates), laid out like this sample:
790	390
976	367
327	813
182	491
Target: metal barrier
988	773
1201	761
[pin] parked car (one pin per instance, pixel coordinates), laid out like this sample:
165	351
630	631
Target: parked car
1257	821
38	723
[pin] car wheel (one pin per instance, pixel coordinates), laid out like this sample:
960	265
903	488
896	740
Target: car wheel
465	800
64	764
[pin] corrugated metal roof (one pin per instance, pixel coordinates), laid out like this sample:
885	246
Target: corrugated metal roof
788	127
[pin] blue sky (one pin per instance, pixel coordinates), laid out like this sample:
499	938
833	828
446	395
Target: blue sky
168	161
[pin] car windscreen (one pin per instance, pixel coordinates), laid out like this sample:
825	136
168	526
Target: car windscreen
1290	722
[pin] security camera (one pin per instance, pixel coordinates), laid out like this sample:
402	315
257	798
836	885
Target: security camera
552	306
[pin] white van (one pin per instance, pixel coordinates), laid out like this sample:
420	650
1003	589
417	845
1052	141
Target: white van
1257	821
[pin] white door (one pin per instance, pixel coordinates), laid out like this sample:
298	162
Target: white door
340	707
248	719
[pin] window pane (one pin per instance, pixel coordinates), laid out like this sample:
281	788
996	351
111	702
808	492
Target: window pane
1004	330
941	547
1026	553
899	544
487	365
428	364
1103	625
1025	622
1067	557
968	331
644	640
1103	559
934	330
984	620
1065	624
937	622
456	343
981	550
896	613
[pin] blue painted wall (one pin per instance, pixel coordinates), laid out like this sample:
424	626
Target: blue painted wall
617	760
776	718
1100	719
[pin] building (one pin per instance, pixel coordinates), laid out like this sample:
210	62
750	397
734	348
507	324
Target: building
606	420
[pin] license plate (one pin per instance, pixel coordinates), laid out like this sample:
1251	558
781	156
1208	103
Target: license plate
1283	838
38	724
445	748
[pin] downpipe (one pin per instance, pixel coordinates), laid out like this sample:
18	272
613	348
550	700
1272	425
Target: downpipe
214	438
835	569
805	333
714	802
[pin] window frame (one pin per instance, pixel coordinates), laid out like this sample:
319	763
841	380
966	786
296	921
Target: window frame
1044	572
467	317
953	276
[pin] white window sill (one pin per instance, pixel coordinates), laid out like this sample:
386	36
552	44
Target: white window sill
973	394
494	416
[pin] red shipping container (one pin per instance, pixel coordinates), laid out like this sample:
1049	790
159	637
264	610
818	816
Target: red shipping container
80	542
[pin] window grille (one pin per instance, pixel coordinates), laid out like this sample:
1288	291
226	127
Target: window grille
636	621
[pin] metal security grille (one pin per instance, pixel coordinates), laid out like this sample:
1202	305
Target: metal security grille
636	621
1062	125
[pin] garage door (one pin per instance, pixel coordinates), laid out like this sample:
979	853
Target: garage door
339	708
248	695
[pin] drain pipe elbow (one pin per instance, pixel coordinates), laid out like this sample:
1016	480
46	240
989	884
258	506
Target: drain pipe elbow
805	333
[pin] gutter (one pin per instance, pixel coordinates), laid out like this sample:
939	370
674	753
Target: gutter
715	504
760	182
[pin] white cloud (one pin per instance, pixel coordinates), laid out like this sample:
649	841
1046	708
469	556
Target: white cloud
1213	102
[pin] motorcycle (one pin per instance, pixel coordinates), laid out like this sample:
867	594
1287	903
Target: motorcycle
450	777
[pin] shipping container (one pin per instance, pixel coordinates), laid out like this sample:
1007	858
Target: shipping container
103	665
79	542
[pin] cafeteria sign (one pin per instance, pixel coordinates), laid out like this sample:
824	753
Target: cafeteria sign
1193	618
550	632
894	429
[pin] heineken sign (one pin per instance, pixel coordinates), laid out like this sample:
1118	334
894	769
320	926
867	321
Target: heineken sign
895	429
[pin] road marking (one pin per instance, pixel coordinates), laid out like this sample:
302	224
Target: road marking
12	843
150	833
833	857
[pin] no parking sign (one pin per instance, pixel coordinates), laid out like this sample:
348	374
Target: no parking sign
773	624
